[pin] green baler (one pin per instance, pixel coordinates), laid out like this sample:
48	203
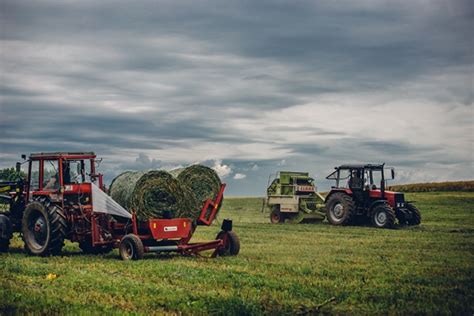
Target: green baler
293	196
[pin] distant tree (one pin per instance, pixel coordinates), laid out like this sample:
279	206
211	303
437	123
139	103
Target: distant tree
10	174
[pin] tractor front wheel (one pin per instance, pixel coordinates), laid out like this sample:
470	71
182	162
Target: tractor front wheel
6	233
44	228
276	216
231	243
131	247
415	215
340	209
383	216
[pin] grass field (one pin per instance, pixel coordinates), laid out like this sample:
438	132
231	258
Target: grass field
281	269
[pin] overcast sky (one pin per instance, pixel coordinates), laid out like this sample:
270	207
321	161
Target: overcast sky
247	87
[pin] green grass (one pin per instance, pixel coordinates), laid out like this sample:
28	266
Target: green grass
281	269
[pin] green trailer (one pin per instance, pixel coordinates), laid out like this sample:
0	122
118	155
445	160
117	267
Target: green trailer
293	197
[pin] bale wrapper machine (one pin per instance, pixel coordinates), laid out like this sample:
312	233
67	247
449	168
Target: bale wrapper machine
136	237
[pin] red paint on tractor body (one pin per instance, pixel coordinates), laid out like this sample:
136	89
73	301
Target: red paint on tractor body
388	195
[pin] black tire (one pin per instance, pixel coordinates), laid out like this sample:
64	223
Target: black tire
86	247
276	216
415	215
44	228
402	221
383	216
340	209
131	248
232	245
6	233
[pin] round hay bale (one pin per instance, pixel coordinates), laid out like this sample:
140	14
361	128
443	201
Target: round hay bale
122	186
202	180
153	192
175	172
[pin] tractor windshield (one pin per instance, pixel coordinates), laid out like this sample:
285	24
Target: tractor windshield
75	171
50	175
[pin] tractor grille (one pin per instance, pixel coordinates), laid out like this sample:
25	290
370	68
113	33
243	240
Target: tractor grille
399	200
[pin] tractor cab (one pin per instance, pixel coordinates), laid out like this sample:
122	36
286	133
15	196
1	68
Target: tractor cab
61	174
359	194
365	181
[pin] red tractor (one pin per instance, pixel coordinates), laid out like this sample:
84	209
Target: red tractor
63	198
359	196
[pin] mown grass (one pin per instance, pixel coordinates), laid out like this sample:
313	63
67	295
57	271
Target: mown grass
282	269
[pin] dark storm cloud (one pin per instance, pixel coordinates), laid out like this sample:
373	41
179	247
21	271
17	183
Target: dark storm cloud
52	122
205	79
390	39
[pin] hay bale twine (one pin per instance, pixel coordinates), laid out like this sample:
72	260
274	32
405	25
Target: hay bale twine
202	180
153	192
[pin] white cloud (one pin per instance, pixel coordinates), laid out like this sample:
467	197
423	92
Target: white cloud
240	176
222	169
282	162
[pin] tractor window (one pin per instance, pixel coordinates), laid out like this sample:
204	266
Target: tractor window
344	174
34	182
50	175
367	183
74	171
377	177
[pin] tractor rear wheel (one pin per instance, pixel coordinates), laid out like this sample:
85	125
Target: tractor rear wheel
276	216
131	248
232	244
44	228
383	216
6	233
415	215
86	247
340	209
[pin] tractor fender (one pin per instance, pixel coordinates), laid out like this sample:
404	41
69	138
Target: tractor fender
5	227
346	191
376	203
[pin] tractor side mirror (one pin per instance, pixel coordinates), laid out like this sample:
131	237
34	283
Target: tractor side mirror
389	173
18	167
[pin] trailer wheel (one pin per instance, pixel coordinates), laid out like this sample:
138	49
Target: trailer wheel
415	215
232	244
131	247
276	216
44	228
6	233
340	209
383	216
